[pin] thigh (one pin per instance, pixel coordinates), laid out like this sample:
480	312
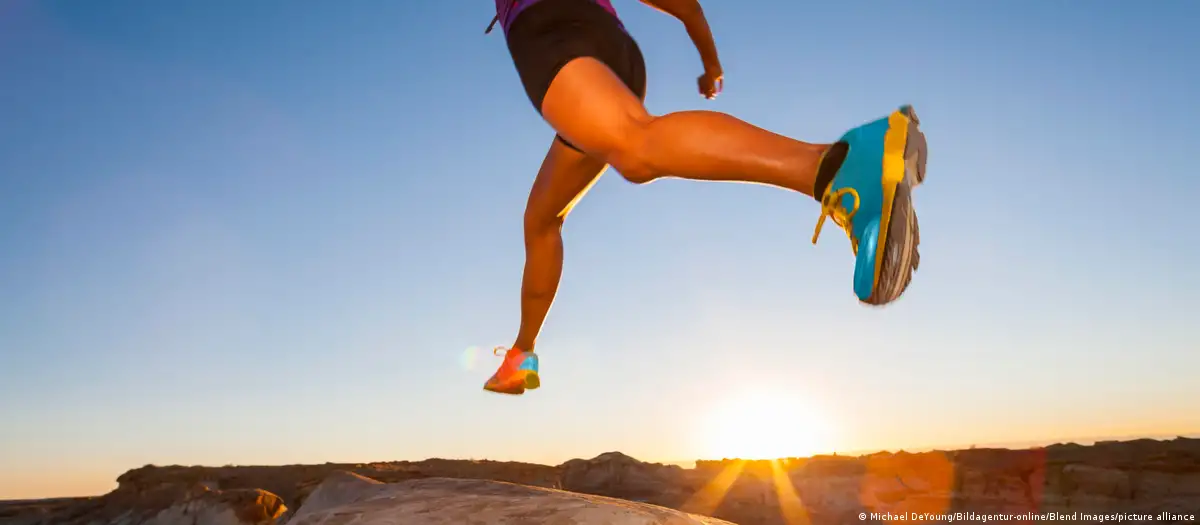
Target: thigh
590	106
564	178
626	63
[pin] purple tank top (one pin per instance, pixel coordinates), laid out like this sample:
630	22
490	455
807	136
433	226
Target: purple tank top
507	10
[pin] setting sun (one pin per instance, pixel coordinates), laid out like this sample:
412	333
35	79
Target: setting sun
764	425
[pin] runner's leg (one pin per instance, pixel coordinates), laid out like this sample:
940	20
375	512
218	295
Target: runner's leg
565	176
591	107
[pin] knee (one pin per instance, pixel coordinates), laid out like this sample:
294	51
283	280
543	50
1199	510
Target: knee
541	222
631	157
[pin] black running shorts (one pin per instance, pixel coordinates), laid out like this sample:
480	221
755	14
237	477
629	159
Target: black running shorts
549	34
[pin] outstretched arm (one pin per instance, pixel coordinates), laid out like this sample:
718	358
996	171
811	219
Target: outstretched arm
692	15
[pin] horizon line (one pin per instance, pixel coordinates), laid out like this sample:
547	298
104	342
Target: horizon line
1009	445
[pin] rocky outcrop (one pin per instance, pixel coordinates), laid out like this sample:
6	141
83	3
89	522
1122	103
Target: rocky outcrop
1142	476
167	504
617	475
293	483
33	512
349	499
1145	477
216	507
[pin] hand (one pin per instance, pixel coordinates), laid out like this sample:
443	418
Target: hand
711	82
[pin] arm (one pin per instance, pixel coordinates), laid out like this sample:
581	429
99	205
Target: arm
692	16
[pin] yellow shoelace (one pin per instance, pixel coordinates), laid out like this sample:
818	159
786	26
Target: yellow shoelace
831	206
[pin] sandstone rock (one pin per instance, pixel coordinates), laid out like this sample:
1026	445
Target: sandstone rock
231	507
170	504
348	499
1101	482
617	475
35	512
293	483
1141	476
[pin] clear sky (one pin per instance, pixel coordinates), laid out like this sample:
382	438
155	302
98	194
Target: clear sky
271	232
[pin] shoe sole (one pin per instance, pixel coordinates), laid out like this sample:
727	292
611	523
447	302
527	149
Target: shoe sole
900	255
530	381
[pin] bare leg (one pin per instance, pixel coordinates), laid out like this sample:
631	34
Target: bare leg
565	176
590	106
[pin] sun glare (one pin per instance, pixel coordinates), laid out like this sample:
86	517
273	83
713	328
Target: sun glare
764	425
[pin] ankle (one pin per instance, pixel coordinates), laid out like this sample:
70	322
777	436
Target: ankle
827	167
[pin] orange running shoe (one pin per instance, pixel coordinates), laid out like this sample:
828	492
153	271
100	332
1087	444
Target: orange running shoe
518	372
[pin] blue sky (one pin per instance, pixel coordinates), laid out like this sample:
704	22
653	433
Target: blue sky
269	232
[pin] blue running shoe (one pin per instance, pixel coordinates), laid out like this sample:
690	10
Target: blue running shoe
865	183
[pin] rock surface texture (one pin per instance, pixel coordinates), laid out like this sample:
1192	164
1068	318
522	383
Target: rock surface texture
1148	477
349	499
